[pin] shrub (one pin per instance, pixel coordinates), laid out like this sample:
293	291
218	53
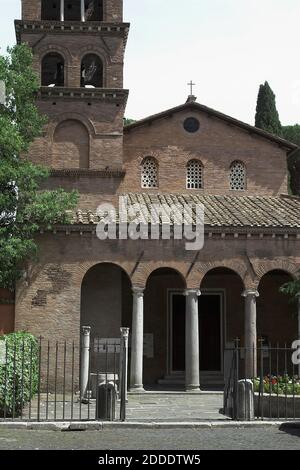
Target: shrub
20	374
279	385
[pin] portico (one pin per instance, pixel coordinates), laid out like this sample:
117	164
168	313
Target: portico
227	311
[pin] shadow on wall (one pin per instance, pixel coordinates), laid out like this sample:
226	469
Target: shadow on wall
7	311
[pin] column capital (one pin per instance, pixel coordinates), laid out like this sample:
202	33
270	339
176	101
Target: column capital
250	293
86	330
194	292
124	332
138	291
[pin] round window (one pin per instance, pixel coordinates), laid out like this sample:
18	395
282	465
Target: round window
191	124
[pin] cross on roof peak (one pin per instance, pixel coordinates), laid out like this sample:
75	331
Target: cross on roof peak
191	85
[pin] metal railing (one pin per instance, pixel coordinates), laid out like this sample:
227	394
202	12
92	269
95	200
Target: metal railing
274	382
44	382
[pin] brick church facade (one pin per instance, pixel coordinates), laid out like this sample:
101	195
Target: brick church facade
183	307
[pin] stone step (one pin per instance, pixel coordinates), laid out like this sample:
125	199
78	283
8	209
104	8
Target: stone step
209	379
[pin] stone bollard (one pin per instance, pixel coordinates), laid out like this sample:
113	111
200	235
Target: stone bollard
245	405
106	401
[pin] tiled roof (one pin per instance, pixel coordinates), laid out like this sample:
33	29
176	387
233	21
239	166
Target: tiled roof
220	210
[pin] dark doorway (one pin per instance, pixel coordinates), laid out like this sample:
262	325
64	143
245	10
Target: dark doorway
210	332
178	333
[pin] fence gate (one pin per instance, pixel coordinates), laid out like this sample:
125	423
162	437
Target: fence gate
42	380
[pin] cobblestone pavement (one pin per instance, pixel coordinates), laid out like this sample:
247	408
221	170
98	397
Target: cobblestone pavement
145	407
137	439
175	407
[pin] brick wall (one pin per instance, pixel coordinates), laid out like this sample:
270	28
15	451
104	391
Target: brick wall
31	9
50	304
216	145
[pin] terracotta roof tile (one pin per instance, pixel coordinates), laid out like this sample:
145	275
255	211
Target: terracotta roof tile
220	210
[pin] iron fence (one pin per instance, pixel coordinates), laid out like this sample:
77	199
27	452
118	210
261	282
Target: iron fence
46	381
261	383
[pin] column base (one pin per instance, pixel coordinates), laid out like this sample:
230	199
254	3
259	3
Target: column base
192	388
137	389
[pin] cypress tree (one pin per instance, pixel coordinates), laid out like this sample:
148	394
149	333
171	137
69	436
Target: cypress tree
267	117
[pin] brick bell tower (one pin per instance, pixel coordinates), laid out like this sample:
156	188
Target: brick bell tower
78	48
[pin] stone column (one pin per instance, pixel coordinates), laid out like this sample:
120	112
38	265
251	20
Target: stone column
82	11
250	333
85	361
62	10
192	363
298	298
137	341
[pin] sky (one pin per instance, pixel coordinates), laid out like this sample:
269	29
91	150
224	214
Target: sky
227	47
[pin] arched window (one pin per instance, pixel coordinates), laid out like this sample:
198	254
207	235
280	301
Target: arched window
194	175
50	10
71	145
238	176
91	71
149	175
53	70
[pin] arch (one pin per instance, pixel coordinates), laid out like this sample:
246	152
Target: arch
87	123
202	269
222	270
144	271
194	174
277	272
86	266
149	173
41	51
106	299
238	176
164	290
101	51
50	10
103	263
91	71
164	270
53	70
284	265
223	306
71	145
276	314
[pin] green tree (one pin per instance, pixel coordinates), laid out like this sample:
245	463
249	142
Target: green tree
292	133
128	121
292	288
267	117
24	207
